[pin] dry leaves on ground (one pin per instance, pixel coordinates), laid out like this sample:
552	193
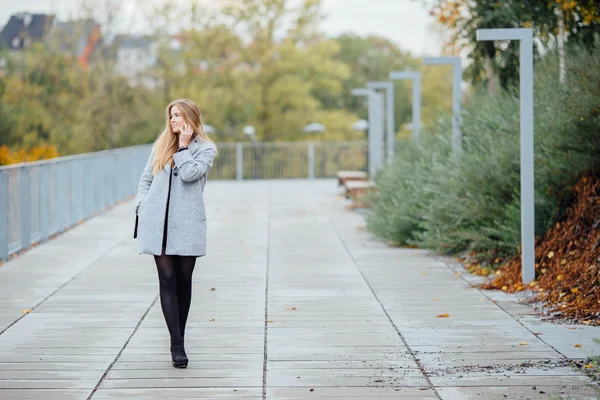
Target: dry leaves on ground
567	260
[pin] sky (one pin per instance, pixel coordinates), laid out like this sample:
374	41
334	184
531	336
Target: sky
405	22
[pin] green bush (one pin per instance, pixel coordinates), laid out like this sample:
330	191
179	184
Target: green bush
432	199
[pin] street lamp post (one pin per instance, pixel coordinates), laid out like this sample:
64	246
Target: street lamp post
315	127
390	139
416	109
525	36
456	95
375	136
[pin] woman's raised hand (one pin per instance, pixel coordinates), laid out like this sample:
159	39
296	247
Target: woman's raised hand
185	135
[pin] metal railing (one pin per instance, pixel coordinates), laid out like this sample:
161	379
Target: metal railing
41	199
287	160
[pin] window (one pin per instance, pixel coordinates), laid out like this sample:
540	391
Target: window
15	42
27	18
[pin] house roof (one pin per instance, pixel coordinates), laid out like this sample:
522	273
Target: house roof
25	26
74	36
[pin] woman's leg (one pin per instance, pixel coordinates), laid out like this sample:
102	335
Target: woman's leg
166	266
184	289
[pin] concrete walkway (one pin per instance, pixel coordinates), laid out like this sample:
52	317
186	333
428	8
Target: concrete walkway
293	301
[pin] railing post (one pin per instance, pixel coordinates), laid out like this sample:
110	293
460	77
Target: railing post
44	204
311	161
61	198
3	215
239	161
25	208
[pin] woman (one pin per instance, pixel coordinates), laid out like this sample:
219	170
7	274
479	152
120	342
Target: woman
170	213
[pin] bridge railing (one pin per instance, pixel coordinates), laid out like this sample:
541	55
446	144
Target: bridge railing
41	199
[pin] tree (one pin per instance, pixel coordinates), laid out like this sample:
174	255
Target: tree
260	63
578	19
372	58
496	63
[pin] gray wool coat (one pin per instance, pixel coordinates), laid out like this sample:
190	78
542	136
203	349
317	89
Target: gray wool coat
186	230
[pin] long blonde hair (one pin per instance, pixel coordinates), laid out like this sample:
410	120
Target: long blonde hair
167	142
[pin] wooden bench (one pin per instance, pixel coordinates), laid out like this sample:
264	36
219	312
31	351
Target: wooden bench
357	190
345	176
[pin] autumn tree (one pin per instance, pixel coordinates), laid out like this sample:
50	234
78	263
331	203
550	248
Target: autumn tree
497	62
260	63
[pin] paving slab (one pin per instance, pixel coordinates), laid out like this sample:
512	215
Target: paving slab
180	393
294	301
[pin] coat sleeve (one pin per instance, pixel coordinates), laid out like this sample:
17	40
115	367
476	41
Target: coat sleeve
145	181
192	168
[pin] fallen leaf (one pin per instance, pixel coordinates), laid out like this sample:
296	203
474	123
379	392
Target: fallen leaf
538	333
269	320
27	311
563	262
559	278
505	288
524	343
435	299
291	308
445	315
212	289
588	366
457	274
550	254
578	345
574	290
423	273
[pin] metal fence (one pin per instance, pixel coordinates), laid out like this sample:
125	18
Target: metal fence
41	199
291	160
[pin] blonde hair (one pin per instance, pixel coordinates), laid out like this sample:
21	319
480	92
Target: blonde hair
167	142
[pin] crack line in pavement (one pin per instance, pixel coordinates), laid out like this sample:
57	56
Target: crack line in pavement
415	359
63	285
123	348
264	378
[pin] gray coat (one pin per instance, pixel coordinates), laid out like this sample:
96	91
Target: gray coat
186	231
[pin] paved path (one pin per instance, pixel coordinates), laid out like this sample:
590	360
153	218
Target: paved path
293	301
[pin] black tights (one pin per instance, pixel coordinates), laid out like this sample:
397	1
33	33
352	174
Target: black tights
175	282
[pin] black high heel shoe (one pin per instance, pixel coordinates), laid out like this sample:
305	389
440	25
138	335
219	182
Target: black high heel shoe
178	355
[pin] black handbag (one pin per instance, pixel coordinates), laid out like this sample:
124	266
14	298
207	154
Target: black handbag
135	227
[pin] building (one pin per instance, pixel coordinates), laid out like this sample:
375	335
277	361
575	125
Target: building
81	38
25	28
135	57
